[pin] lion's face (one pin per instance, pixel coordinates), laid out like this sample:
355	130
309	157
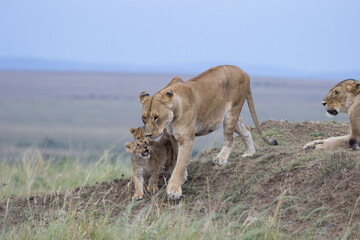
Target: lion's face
139	148
341	96
156	113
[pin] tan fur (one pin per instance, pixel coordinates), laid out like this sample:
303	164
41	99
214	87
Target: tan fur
344	97
161	155
197	107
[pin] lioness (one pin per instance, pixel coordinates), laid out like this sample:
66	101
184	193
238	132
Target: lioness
196	108
344	97
147	157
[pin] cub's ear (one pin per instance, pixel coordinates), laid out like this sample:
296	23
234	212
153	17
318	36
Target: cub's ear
165	131
128	147
133	131
143	96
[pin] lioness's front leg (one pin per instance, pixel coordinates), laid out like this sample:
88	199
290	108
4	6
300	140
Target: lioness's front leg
179	174
329	143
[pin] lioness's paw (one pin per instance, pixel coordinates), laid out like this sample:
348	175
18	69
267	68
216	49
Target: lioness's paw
308	146
312	144
137	196
248	154
174	191
218	161
152	188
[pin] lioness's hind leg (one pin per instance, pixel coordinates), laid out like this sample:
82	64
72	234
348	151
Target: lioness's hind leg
329	143
230	121
246	137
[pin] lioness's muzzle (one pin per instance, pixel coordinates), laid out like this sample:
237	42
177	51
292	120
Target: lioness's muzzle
332	112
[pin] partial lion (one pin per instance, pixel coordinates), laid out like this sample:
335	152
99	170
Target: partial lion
344	97
197	107
150	156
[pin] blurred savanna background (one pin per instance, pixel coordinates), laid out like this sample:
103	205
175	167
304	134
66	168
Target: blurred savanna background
71	73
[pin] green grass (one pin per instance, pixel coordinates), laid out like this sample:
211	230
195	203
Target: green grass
148	223
319	134
33	173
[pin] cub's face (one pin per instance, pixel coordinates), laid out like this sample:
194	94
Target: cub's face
156	113
137	133
139	148
339	97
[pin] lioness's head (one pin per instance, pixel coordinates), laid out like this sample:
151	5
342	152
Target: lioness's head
157	113
341	96
139	148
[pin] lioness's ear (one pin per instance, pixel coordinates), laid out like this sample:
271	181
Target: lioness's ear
169	93
133	131
168	97
128	147
354	87
143	96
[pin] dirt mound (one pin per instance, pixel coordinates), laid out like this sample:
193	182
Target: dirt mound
317	188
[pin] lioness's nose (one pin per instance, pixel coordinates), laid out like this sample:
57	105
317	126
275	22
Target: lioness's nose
324	103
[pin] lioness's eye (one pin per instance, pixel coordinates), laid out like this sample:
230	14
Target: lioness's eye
156	118
143	119
336	93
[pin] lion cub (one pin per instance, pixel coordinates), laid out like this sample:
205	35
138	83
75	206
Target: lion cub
149	156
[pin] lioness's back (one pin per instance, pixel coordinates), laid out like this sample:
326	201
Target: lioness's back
220	72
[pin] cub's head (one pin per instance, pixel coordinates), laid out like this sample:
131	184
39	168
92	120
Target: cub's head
137	133
139	148
157	112
341	96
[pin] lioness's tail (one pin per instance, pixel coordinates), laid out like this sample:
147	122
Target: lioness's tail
256	121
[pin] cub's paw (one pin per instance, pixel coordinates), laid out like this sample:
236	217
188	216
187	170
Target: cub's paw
152	187
137	196
219	161
174	191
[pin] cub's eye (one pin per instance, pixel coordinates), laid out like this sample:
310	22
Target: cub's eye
138	138
156	118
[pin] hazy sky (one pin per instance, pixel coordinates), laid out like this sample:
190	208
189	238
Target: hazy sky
306	35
